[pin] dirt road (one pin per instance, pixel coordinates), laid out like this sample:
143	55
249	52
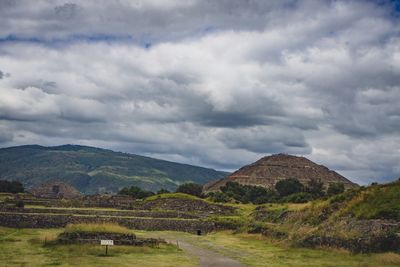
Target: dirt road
207	257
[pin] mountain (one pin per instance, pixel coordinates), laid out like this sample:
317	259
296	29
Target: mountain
92	170
269	170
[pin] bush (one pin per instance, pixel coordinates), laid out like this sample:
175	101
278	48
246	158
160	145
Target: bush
335	189
20	204
162	191
315	187
248	193
135	192
301	197
288	186
218	197
190	189
11	187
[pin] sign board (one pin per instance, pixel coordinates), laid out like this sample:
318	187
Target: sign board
107	242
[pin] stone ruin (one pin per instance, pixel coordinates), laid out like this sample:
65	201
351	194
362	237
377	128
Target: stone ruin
55	190
267	171
119	239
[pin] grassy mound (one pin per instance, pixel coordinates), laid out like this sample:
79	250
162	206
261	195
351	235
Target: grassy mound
376	202
96	228
172	195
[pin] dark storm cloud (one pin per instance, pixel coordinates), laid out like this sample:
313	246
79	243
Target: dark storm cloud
66	11
215	83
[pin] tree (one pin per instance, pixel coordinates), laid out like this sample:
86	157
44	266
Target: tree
135	192
162	191
234	190
288	186
315	187
218	197
249	193
335	189
20	204
190	189
11	187
260	195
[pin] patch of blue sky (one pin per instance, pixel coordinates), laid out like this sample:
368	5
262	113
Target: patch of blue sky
76	38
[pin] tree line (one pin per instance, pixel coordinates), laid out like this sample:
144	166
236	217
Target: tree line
287	190
139	193
11	187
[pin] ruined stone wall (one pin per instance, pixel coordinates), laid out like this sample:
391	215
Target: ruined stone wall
119	239
181	205
127	213
25	220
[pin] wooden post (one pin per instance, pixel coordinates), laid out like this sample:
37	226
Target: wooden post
106	250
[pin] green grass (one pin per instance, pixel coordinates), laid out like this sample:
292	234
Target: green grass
27	247
30	247
379	201
257	251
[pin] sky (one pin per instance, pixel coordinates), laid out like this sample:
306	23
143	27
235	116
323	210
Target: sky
215	83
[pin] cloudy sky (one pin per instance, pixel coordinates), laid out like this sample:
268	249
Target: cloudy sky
217	83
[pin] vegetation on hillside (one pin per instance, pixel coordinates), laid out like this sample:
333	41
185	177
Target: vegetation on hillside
93	170
345	220
187	189
190	189
376	202
285	191
135	192
11	187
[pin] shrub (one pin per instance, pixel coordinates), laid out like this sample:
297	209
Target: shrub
135	192
335	189
20	204
162	191
315	187
288	186
248	193
218	197
190	189
11	187
301	197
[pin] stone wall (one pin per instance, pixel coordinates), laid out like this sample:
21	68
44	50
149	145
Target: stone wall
119	239
25	220
125	213
199	207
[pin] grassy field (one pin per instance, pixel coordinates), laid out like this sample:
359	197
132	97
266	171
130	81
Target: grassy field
30	247
257	251
33	247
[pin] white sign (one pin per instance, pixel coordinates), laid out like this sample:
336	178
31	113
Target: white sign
107	242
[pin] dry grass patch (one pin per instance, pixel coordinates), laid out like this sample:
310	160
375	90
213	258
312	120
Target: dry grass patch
388	258
97	228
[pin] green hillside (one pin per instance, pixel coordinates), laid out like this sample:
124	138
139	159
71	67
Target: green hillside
93	170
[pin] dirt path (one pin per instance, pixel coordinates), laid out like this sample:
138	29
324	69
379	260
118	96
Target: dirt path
207	257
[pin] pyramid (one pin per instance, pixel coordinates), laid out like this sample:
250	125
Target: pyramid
55	189
267	171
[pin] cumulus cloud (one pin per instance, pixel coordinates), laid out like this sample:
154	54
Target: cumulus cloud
214	83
